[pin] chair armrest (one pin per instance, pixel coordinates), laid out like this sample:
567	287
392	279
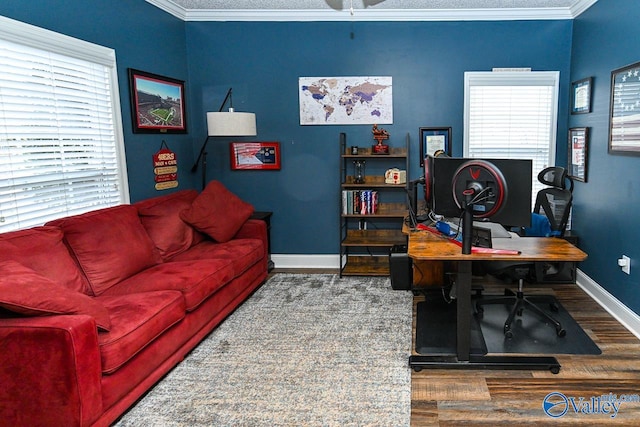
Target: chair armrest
50	371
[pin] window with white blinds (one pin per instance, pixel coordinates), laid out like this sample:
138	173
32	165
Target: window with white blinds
61	144
512	115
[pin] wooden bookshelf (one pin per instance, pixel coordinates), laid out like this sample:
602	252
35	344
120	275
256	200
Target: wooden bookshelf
366	240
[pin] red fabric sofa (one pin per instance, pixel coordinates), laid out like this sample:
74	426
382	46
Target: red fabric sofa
96	308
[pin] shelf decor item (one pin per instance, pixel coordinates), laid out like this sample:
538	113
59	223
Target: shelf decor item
581	96
578	150
358	173
380	135
434	140
624	136
157	103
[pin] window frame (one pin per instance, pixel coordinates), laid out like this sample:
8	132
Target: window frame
515	78
31	36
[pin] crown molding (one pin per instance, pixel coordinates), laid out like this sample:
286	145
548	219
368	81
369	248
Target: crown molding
581	6
309	15
170	7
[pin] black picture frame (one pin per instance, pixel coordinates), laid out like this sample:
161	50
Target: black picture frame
157	103
433	139
581	96
578	157
624	110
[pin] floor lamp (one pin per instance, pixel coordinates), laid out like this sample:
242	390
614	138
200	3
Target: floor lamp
225	123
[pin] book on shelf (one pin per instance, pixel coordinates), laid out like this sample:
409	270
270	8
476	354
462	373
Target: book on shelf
359	202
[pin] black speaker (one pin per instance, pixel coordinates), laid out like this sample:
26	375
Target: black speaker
400	268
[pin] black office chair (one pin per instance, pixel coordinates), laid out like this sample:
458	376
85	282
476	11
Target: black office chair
549	219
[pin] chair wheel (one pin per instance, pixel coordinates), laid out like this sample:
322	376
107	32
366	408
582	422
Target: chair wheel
561	332
508	334
417	368
555	370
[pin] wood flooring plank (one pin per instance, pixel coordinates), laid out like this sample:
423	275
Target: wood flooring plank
433	388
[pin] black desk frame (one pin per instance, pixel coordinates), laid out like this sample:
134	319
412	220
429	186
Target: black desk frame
463	358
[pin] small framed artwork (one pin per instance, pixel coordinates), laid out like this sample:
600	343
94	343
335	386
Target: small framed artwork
624	132
434	140
578	153
255	155
157	103
581	96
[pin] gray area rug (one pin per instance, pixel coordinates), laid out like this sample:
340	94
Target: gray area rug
305	349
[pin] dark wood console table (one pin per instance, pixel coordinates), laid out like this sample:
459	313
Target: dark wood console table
266	217
427	246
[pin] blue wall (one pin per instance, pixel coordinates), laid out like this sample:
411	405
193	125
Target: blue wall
605	213
145	38
427	60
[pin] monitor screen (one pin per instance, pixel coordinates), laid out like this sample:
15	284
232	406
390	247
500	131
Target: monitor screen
516	208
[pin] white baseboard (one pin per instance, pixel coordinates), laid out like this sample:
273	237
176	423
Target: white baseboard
623	314
305	261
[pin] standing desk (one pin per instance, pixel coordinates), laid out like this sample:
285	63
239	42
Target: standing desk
427	246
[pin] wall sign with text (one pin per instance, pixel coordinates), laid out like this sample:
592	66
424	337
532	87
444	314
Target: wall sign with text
165	168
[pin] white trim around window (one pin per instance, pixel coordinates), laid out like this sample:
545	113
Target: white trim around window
61	137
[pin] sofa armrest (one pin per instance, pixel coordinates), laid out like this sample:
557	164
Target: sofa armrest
255	229
50	371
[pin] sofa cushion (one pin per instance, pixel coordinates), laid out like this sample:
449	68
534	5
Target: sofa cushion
217	212
137	319
42	250
110	244
242	253
160	216
24	291
196	280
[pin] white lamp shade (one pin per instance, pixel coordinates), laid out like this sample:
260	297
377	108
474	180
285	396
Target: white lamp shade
231	124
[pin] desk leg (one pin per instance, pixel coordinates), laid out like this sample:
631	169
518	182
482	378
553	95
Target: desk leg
463	359
463	302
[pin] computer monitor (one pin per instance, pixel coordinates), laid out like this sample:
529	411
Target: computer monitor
515	209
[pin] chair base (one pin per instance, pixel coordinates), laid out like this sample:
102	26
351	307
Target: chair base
520	302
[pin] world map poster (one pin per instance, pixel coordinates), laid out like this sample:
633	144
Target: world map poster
345	100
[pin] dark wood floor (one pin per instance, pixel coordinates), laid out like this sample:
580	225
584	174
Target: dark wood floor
442	397
502	397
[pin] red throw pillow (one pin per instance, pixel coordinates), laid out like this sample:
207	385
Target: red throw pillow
24	291
42	249
110	245
217	212
160	216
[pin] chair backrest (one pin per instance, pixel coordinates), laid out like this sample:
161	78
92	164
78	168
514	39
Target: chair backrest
555	202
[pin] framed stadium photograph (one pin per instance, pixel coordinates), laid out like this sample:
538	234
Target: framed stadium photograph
157	103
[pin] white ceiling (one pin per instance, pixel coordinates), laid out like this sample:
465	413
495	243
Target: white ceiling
371	10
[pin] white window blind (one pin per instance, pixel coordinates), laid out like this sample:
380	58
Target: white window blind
512	115
61	150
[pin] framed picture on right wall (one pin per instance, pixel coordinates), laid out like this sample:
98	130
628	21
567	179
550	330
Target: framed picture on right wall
581	96
624	119
578	151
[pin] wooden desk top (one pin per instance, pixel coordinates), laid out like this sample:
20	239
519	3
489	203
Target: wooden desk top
425	245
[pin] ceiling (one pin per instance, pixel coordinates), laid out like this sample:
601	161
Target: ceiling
372	10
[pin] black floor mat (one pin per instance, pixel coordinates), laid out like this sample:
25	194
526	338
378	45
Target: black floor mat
532	334
436	333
